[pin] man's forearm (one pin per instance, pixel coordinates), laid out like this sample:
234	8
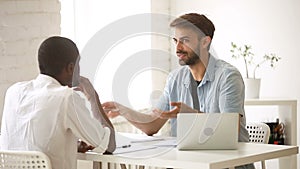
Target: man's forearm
100	115
149	123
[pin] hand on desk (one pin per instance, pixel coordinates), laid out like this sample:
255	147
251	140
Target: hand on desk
82	147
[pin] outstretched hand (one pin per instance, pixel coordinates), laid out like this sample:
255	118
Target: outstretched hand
179	107
111	109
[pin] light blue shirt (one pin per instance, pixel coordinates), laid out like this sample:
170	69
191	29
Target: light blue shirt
220	91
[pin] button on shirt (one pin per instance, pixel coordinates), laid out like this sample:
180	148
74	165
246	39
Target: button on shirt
44	116
220	91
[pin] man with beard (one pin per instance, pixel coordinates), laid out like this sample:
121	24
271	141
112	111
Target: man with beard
203	83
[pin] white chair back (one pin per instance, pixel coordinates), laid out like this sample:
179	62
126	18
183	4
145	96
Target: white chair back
258	133
24	159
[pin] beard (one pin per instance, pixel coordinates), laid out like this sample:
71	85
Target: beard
192	57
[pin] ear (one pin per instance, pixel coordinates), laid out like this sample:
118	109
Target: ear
70	68
205	41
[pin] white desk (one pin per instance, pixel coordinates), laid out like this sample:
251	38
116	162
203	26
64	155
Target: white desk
204	159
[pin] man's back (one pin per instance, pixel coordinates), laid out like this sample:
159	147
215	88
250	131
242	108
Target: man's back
39	115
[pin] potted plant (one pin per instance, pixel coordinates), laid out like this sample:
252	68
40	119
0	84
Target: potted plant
252	84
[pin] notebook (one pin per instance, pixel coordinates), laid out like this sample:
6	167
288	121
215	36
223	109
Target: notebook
207	131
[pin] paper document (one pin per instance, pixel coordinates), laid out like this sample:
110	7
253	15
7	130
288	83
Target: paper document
122	140
167	143
132	148
125	138
130	142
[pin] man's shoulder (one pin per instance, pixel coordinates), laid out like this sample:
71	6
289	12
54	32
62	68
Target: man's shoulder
19	85
226	67
224	72
42	87
223	64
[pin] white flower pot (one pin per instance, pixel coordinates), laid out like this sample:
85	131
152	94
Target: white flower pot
252	88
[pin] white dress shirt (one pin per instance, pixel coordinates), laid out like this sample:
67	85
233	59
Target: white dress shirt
42	115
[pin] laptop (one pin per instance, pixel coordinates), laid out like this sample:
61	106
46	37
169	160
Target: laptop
216	131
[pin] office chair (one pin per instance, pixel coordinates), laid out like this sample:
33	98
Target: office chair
258	133
24	159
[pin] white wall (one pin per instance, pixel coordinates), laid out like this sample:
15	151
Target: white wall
268	26
23	25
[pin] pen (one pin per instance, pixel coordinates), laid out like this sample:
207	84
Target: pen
124	146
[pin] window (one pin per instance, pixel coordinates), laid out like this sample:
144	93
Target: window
83	20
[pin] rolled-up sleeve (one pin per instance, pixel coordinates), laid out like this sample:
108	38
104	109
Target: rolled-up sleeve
84	126
104	143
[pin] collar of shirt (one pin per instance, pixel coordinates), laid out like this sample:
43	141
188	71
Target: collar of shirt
46	78
209	73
